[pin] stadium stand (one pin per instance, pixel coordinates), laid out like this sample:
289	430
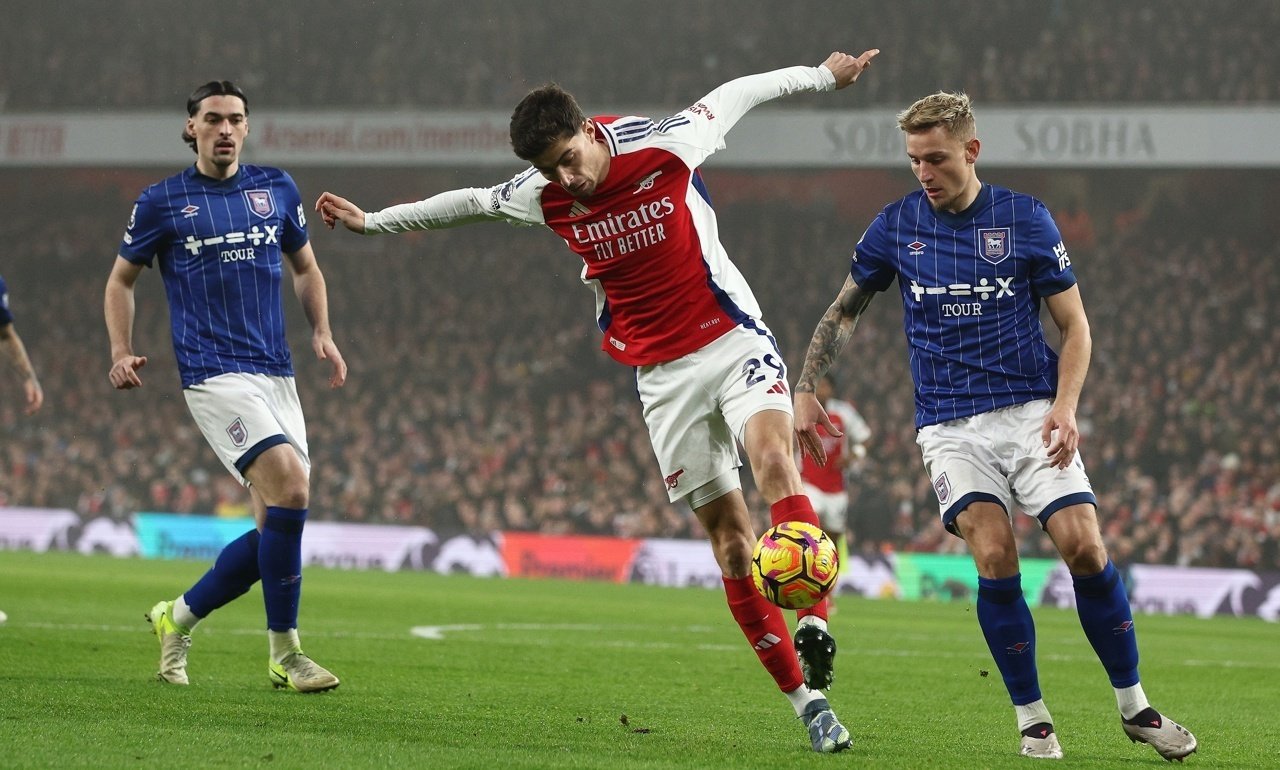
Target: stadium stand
487	53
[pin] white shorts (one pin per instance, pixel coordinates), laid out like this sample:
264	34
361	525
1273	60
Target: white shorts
998	457
242	415
832	507
697	409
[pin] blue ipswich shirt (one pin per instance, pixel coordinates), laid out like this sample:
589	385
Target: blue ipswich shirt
6	317
971	287
220	246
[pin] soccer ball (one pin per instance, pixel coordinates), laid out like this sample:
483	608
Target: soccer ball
795	565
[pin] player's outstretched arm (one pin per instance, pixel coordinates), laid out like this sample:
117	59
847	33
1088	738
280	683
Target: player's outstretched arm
446	209
829	338
333	209
734	99
118	308
847	68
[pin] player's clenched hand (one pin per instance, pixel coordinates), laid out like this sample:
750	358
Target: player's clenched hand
35	394
809	414
327	350
1060	435
124	372
847	68
334	209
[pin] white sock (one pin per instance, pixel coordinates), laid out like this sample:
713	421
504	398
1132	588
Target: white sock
283	643
802	696
1032	714
1131	700
182	614
811	620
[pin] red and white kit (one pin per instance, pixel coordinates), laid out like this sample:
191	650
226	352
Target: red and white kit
664	286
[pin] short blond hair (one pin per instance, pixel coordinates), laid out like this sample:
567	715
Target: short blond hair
951	111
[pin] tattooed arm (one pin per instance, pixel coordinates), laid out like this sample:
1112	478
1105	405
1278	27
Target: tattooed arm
834	330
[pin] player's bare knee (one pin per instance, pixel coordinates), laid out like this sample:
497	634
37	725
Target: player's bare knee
994	559
775	466
291	493
1084	557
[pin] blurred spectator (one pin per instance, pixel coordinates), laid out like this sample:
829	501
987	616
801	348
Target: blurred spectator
391	54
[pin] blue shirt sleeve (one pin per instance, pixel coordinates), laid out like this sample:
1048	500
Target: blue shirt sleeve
870	267
1050	264
144	236
295	218
6	317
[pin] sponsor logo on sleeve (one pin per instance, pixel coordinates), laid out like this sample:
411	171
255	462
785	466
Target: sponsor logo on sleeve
1060	251
702	109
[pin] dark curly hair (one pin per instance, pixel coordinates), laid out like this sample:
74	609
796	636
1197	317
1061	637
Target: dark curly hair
543	117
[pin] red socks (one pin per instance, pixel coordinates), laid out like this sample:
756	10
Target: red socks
794	508
798	508
766	631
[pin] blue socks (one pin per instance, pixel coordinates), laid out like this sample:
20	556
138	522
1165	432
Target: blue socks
1011	636
1107	620
232	574
1105	616
280	562
275	557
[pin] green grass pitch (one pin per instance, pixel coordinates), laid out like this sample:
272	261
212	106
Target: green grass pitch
551	674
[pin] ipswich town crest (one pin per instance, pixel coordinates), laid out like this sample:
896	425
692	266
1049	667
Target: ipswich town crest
994	244
236	430
942	486
261	202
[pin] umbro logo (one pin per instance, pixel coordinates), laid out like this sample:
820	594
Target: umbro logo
190	211
646	183
578	210
916	248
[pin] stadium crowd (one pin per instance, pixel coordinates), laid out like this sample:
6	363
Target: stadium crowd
437	54
478	398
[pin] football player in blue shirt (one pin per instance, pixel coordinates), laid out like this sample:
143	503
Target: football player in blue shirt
222	233
995	405
13	348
